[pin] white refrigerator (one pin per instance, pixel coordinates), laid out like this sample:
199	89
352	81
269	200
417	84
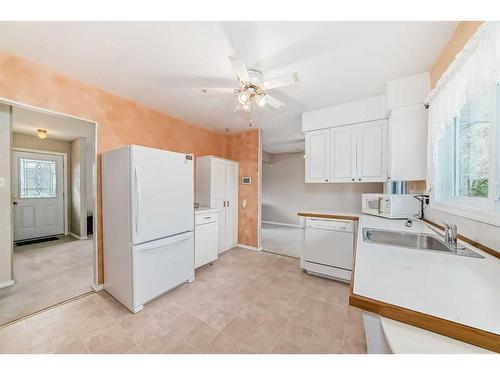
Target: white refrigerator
148	223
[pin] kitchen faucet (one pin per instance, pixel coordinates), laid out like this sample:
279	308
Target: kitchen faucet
450	232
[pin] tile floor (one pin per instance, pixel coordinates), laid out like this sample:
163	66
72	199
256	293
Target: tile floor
246	302
283	239
47	273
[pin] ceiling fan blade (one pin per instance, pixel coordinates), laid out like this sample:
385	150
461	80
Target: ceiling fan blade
275	103
289	79
239	68
217	91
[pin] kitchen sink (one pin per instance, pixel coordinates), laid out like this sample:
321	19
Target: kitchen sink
411	240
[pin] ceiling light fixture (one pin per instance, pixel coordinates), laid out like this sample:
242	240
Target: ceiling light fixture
42	133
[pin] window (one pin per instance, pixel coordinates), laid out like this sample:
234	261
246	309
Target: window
468	155
37	178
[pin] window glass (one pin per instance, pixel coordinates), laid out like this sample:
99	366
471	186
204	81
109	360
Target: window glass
472	148
37	178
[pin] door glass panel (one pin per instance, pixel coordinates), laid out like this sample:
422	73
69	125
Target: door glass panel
37	178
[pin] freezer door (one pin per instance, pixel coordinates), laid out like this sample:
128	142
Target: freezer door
162	193
161	265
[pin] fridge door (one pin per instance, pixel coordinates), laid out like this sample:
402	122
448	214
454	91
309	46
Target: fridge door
161	265
162	193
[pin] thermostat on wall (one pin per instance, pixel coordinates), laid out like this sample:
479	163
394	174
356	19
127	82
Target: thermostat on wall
246	180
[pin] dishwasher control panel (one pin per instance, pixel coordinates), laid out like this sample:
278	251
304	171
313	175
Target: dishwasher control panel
330	224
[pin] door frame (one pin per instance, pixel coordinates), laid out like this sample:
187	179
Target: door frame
13	103
65	179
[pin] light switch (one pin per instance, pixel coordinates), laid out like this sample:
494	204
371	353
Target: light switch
2	182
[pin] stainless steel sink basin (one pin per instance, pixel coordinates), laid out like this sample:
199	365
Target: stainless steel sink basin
411	240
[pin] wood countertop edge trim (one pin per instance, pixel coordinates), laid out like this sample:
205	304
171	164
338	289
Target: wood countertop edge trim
329	216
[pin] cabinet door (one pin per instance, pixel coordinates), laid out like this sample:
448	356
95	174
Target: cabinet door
371	152
232	179
407	143
218	199
317	156
343	154
205	244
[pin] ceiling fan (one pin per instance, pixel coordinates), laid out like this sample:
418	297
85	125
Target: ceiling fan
252	89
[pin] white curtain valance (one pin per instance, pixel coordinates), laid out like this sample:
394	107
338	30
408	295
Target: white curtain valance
476	66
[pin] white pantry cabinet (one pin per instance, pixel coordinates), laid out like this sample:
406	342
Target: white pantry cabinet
205	236
216	186
349	153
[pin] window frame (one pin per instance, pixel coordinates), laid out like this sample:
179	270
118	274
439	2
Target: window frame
476	208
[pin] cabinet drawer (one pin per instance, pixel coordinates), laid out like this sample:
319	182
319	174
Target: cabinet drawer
202	218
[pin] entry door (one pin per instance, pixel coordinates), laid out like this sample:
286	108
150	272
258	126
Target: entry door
37	195
232	204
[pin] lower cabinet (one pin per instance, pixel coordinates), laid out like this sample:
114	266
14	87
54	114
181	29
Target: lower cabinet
205	238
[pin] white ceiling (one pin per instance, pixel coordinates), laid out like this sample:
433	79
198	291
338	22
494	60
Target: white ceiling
166	65
27	121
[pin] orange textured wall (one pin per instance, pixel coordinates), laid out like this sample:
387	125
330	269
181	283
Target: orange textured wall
244	148
120	121
462	34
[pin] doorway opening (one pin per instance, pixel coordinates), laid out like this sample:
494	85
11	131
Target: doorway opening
282	231
52	205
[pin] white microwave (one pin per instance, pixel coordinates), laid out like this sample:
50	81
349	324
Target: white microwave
391	206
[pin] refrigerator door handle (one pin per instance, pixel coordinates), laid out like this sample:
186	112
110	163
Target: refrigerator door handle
137	201
164	242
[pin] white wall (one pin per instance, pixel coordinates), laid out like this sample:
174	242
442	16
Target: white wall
5	197
284	191
78	205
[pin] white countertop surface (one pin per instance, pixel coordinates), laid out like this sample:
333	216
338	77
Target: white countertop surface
331	212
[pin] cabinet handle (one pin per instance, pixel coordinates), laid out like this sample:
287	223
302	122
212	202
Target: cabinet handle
353	179
326	179
224	204
207	217
359	179
228	203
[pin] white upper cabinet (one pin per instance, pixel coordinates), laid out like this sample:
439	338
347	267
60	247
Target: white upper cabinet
343	154
347	142
372	151
317	155
408	143
407	133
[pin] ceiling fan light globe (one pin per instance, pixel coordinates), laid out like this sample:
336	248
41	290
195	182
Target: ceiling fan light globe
246	107
243	98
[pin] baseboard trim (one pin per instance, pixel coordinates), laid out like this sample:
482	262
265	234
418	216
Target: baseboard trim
248	247
7	283
77	236
98	287
283	224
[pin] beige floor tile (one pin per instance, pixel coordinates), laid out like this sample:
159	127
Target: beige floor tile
283	347
183	324
184	348
219	319
200	336
225	344
14	339
108	341
297	334
161	344
257	338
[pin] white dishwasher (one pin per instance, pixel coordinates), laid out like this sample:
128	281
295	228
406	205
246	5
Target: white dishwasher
329	248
